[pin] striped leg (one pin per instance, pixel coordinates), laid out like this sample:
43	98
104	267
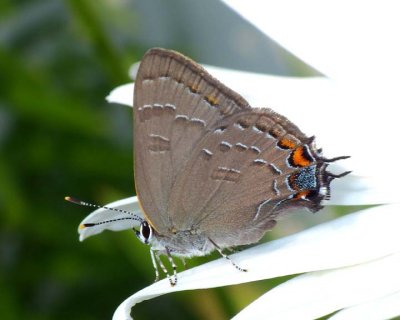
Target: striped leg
153	260
173	281
164	269
226	256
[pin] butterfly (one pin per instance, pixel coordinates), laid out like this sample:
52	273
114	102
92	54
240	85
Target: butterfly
211	172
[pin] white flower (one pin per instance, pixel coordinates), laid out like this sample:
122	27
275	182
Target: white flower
350	264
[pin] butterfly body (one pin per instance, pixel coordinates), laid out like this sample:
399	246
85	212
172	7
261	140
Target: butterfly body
184	243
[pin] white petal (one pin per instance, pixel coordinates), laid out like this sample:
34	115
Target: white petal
337	38
363	190
122	220
387	307
133	70
363	236
316	294
122	94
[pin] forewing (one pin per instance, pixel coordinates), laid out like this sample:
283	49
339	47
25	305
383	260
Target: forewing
176	103
238	178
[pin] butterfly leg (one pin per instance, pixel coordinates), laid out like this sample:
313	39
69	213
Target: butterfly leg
164	269
153	260
233	250
173	281
226	256
184	263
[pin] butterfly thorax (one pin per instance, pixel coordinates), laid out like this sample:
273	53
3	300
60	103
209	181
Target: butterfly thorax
185	243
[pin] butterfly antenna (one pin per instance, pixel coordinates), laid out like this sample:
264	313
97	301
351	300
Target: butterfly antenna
87	204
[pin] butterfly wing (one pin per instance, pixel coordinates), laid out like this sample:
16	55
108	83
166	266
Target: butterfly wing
245	171
176	102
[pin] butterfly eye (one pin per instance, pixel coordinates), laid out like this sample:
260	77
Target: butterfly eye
145	233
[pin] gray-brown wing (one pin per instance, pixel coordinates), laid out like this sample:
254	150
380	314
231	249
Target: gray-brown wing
241	175
175	103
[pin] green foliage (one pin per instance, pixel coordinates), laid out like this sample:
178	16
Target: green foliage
57	137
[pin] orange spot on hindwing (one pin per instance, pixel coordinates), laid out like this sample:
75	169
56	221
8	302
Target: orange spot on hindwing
300	157
302	194
286	143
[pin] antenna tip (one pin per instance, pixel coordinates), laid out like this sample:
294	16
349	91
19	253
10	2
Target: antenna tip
73	200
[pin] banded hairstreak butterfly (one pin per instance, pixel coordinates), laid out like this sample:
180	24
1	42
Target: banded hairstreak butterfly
210	171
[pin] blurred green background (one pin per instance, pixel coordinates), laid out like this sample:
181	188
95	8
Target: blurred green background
58	137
